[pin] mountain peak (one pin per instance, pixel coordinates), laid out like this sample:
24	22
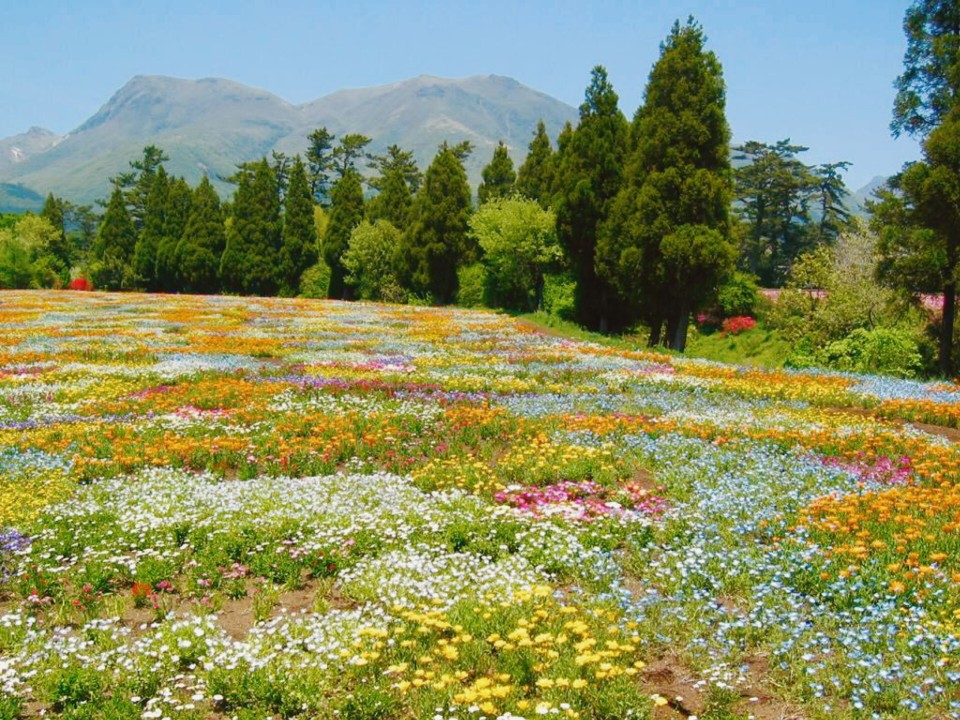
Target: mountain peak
215	123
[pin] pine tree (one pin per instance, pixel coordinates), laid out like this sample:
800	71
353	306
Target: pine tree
437	241
320	161
298	249
667	242
151	234
199	250
397	183
175	215
346	212
250	261
535	176
589	174
498	177
113	248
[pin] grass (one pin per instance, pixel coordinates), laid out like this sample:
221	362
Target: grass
760	347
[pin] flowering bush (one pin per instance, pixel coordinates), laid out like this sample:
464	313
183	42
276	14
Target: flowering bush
738	324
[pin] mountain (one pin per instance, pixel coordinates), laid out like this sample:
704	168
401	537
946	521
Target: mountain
16	149
207	126
857	200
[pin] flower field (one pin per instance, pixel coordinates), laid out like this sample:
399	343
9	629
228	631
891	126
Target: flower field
217	507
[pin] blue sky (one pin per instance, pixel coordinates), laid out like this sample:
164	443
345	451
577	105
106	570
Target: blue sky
819	72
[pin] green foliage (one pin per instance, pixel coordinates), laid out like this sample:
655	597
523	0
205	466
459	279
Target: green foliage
351	149
298	249
775	192
666	245
472	285
590	165
436	242
559	295
834	312
927	89
880	350
398	181
320	161
250	260
198	253
346	212
519	243
176	213
918	220
372	261
315	281
16	264
58	249
739	295
151	234
114	246
535	178
499	176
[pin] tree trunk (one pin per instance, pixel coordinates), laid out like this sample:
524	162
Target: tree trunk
656	328
683	322
946	329
672	323
603	311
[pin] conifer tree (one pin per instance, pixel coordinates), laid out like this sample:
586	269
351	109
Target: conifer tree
175	216
589	175
320	161
535	176
151	234
498	177
250	262
113	248
437	242
298	249
397	183
346	212
199	250
667	242
58	248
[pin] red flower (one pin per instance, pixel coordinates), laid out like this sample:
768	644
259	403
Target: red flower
737	325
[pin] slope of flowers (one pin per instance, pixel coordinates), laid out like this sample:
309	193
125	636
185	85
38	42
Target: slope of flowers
235	507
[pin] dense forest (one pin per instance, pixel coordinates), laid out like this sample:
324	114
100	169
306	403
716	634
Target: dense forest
622	225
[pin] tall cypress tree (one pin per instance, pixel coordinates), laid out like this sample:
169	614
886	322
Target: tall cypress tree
175	216
589	175
498	177
535	176
298	249
199	250
151	234
250	260
113	248
346	212
437	241
667	242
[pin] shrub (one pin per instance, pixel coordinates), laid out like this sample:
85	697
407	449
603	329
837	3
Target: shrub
737	325
739	295
315	281
558	296
882	350
471	283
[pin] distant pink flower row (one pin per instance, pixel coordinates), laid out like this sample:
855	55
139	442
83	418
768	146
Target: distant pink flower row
584	501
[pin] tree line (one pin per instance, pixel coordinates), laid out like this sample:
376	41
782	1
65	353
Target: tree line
618	222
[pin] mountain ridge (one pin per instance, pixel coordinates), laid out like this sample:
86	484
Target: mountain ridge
209	125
